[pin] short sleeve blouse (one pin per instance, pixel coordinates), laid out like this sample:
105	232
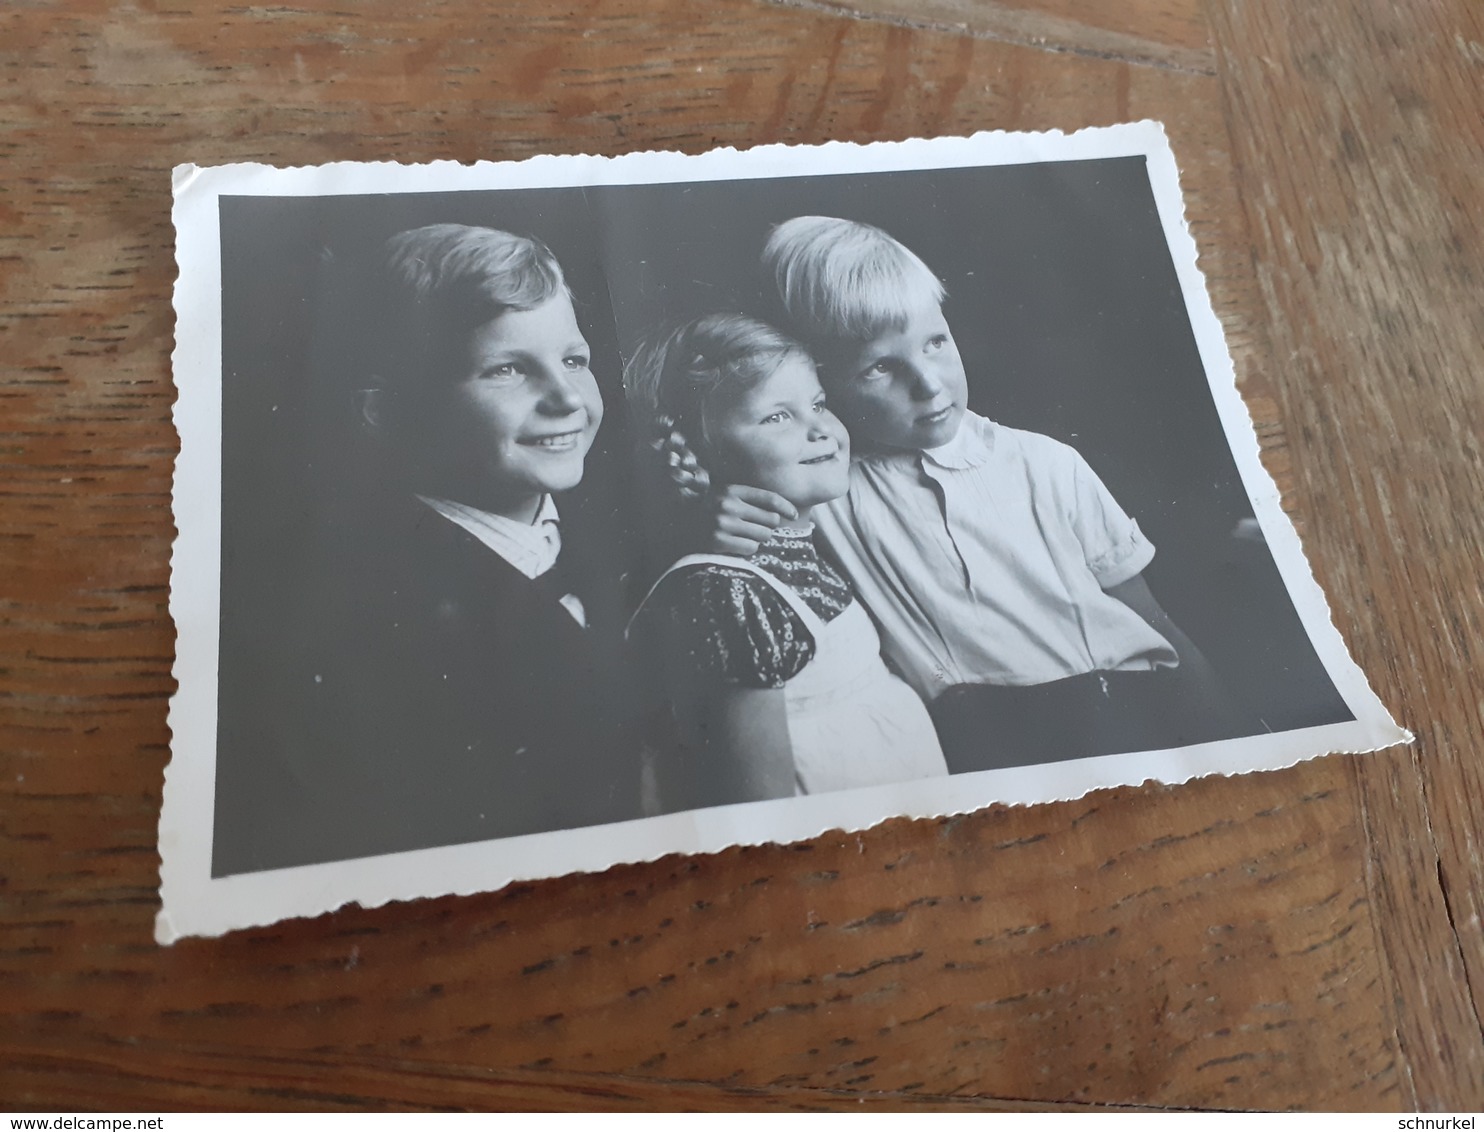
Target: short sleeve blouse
733	626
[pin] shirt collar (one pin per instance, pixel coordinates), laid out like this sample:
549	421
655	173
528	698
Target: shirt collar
969	448
532	548
546	513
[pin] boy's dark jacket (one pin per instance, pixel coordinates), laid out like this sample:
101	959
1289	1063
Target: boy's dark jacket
435	696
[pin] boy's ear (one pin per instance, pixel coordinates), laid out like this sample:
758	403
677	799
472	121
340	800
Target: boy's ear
370	408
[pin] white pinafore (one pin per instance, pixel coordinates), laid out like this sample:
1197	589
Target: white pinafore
851	722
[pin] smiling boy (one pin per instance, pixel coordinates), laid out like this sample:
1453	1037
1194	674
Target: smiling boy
514	426
460	675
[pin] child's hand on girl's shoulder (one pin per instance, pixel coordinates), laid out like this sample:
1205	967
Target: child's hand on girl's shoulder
743	518
721	518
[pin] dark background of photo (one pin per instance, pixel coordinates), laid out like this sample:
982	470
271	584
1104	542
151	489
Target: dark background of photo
1062	297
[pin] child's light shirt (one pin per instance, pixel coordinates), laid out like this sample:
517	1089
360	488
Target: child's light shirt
985	561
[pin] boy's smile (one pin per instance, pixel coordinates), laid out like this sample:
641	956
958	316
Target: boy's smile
517	423
555	443
906	387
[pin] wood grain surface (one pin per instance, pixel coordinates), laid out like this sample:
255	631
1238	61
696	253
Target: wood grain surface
1309	938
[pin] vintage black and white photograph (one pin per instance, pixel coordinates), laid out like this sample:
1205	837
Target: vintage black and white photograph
543	517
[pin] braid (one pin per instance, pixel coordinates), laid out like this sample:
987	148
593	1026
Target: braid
670	377
679	459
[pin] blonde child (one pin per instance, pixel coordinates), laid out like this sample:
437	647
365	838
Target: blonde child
1006	580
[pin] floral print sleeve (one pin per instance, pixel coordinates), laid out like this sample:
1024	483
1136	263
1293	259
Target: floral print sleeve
734	627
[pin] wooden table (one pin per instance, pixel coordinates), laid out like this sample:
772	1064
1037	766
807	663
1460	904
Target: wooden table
1309	938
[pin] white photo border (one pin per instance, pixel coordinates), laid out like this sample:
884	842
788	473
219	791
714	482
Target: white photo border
195	903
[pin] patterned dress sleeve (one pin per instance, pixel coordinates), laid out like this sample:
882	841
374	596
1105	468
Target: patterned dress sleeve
734	627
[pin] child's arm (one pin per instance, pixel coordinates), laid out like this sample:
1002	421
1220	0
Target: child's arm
737	519
719	518
747	747
1205	686
727	658
1135	594
738	741
1114	545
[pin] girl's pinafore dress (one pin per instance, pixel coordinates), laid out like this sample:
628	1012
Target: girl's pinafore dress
851	721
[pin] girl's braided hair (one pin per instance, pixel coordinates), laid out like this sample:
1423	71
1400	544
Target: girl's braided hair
672	375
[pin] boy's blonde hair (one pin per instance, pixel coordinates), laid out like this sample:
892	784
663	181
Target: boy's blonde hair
841	281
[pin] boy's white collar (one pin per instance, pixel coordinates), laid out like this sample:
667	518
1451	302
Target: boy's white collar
969	447
546	513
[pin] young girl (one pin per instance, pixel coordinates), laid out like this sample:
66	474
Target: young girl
775	668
